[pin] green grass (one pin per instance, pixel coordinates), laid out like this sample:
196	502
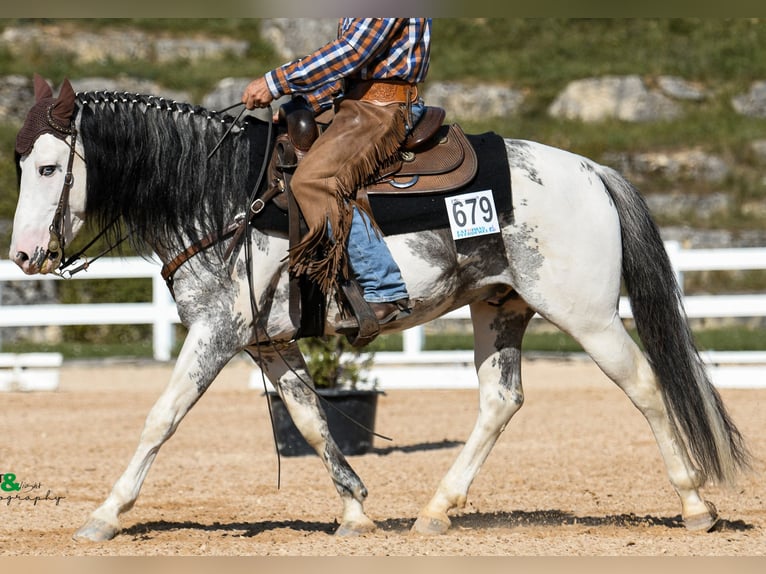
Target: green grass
545	53
720	339
198	78
85	351
717	339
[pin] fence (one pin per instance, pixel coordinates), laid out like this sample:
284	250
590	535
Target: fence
161	312
697	306
162	315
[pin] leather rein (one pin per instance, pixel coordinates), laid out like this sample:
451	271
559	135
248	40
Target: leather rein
235	229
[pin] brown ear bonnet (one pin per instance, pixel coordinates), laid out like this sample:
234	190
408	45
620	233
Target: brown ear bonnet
49	115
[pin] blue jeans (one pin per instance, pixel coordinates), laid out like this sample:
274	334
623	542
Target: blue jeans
371	261
376	271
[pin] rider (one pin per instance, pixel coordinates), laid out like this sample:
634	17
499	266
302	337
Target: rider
369	74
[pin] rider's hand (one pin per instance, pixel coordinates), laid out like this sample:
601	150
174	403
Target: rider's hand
257	94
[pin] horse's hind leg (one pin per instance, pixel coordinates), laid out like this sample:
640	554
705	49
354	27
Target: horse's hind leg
497	334
621	360
286	369
195	369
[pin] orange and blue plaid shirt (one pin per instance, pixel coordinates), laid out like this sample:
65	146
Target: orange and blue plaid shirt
365	49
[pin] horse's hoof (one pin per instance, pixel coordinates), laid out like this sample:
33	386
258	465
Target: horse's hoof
356	528
430	526
704	521
96	530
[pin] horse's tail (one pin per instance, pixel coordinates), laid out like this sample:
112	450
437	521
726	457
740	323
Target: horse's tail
695	407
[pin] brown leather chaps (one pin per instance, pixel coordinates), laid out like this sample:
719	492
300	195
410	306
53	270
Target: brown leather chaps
361	139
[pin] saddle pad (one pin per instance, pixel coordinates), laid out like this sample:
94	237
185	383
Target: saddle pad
411	212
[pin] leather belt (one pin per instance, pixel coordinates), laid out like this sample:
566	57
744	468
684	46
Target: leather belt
381	92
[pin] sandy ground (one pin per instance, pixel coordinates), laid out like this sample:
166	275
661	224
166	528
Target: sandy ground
577	473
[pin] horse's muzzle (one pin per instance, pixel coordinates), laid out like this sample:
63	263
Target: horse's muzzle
40	262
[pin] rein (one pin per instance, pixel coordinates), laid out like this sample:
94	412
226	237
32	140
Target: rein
68	273
237	227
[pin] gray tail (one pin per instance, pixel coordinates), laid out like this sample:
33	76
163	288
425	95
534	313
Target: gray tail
695	407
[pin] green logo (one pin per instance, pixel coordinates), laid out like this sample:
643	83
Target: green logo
9	483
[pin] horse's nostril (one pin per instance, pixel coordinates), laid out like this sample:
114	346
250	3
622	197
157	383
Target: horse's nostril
21	257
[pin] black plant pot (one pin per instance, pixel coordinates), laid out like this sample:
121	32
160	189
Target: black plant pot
351	437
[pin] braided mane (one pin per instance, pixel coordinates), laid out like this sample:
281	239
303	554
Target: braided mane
147	165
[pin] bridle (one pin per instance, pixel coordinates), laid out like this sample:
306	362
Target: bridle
57	241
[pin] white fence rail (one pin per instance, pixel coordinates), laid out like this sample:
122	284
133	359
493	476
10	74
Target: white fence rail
162	315
161	312
697	306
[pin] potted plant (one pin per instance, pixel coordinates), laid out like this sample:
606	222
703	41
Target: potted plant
347	393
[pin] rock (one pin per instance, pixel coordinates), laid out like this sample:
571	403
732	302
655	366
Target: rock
295	37
681	205
685	164
613	97
17	95
116	44
471	101
753	103
680	89
228	92
758	147
755	209
691	238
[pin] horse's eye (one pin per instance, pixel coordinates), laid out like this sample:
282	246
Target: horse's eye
47	170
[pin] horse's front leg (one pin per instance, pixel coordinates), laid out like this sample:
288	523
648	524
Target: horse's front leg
199	362
287	371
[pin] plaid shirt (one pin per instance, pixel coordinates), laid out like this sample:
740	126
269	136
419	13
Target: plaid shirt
366	48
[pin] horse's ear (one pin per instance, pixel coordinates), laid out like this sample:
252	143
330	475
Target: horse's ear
42	89
64	106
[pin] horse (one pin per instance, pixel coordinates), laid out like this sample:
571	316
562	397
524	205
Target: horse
576	230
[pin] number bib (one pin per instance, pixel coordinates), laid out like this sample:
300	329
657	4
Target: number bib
472	214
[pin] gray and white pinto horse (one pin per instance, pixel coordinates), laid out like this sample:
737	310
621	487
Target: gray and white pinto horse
575	231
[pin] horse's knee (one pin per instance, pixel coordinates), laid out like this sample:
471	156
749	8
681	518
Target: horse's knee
501	401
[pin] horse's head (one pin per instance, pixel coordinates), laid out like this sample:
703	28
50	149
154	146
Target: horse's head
51	205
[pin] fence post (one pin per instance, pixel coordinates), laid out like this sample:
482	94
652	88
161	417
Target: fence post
673	249
412	340
163	328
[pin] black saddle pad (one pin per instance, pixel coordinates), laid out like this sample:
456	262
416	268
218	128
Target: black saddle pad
398	213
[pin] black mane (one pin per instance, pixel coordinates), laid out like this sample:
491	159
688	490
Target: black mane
147	166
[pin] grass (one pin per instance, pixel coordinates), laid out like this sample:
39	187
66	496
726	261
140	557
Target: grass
545	53
739	338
